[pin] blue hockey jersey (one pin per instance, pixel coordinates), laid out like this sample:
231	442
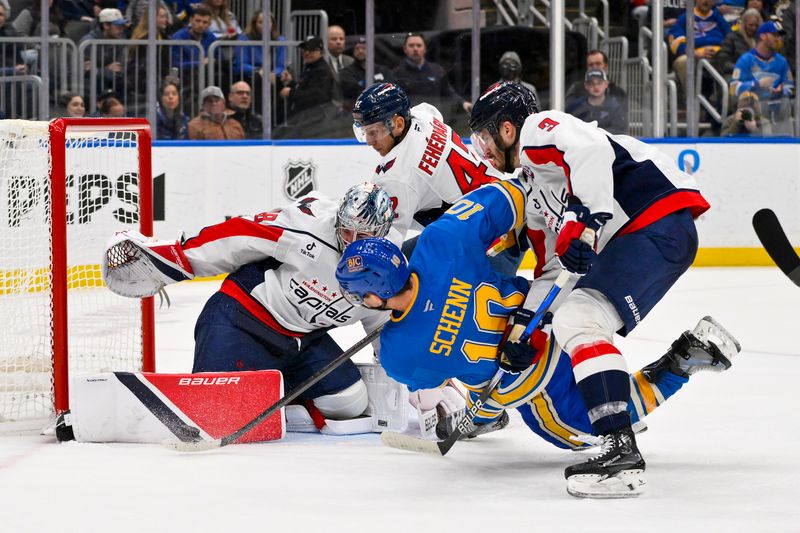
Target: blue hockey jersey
751	68
459	312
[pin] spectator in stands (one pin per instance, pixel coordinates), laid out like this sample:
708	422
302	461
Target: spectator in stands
747	120
788	23
598	105
137	11
112	108
172	124
672	10
352	76
74	105
336	57
738	41
510	67
141	25
11	61
760	7
597	60
27	22
310	97
102	97
79	15
110	67
187	57
239	100
710	29
765	72
223	22
424	81
214	121
248	61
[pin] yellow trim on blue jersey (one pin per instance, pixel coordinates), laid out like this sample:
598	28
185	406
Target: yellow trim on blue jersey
415	291
516	197
536	377
645	392
550	422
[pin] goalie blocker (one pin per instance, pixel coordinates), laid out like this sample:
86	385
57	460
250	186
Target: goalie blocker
173	408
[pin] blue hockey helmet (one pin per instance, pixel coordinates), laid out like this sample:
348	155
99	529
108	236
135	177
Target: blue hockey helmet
502	101
379	103
372	266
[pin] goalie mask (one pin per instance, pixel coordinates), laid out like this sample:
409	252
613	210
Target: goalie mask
372	266
366	211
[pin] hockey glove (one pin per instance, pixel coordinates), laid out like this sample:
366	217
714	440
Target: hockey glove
515	356
136	266
575	245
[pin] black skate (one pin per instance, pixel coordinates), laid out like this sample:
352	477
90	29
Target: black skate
617	472
708	346
447	424
64	428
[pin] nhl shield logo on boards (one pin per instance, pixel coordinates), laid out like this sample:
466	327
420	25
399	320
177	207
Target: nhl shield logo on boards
299	179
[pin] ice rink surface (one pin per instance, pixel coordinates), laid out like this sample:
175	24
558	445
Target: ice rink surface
722	454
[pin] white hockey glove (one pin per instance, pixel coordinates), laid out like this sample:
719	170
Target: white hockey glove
137	266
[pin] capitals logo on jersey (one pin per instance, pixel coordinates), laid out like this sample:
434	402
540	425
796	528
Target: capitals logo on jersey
298	179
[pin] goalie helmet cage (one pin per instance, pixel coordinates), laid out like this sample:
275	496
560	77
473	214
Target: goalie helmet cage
65	187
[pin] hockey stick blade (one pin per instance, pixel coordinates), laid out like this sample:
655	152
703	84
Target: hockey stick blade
203	445
416	444
771	234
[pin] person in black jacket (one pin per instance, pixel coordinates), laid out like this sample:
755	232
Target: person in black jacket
312	93
352	76
425	81
598	105
239	100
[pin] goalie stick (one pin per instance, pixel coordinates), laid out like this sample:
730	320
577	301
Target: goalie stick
197	444
416	444
777	245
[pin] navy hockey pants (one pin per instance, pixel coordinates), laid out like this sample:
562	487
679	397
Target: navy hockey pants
229	339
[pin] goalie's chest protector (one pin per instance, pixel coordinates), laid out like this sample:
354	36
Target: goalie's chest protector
296	291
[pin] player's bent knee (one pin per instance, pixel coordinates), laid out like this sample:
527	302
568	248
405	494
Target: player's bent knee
348	403
585	316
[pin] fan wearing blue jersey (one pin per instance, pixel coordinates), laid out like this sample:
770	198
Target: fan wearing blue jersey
450	312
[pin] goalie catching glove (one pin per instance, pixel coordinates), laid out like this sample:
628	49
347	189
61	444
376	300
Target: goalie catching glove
515	356
137	266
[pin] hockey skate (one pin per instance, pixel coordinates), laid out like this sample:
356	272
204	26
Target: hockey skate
447	424
708	346
617	472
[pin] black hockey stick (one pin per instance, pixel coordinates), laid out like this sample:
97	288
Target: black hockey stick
201	445
777	245
415	444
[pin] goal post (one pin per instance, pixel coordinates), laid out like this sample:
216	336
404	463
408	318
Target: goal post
69	183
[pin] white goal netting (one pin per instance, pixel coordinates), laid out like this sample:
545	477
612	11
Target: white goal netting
102	196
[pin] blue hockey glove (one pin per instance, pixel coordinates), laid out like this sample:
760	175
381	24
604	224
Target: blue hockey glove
515	356
575	254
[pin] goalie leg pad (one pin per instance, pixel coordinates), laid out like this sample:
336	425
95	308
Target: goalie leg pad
153	408
388	399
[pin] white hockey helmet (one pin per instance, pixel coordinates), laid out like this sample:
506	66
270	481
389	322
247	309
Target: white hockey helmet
365	211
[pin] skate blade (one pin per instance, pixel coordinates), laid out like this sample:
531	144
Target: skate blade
625	484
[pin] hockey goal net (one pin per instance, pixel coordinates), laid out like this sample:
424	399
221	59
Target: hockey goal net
65	187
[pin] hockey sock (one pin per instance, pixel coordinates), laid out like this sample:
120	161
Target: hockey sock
647	395
602	378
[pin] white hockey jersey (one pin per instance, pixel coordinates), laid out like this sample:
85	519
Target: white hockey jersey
282	265
563	156
429	169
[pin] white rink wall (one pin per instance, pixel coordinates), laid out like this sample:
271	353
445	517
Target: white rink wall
200	183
